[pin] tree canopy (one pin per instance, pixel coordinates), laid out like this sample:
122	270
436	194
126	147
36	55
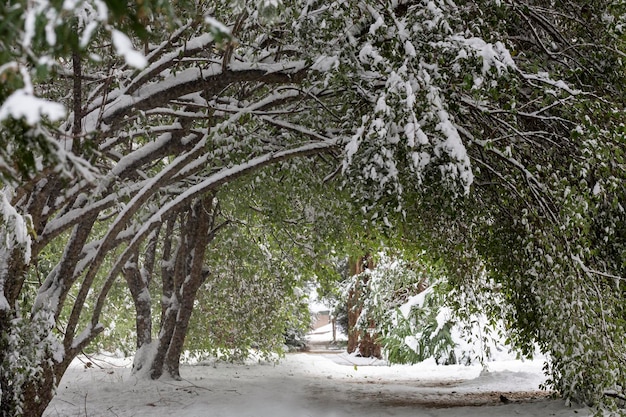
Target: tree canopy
194	151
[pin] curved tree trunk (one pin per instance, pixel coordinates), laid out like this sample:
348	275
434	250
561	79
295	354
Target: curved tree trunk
138	281
182	276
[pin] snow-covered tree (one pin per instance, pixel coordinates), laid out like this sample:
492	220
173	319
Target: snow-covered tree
148	150
484	131
406	304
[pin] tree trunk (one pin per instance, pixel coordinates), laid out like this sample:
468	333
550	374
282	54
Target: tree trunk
182	276
140	291
364	341
138	280
368	346
28	380
353	305
39	393
23	393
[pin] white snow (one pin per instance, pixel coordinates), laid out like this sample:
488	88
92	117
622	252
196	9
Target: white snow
493	55
23	104
29	28
544	77
415	300
124	47
409	49
325	63
377	25
14	230
324	334
87	33
217	25
367	52
323	384
597	189
85	334
453	146
326	384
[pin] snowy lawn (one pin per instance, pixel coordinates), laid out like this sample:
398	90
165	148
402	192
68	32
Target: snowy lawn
323	384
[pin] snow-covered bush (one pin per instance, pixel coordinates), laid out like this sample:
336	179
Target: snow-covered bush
407	306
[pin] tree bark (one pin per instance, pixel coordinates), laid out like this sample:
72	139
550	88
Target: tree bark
140	291
354	309
198	231
183	275
363	340
38	393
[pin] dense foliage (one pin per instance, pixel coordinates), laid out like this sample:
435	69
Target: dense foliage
143	141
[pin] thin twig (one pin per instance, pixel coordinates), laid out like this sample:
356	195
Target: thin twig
615	395
193	385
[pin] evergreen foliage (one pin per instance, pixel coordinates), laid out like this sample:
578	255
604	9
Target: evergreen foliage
204	149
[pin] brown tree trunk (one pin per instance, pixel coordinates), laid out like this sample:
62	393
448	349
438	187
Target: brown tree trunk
138	281
354	311
37	394
369	346
364	341
183	276
201	231
140	292
168	300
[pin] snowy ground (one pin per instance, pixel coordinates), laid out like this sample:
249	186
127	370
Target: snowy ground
323	384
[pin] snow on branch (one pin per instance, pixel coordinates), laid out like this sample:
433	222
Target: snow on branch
73	216
210	80
229	174
13	236
87	335
544	77
22	104
494	55
124	47
211	183
167	60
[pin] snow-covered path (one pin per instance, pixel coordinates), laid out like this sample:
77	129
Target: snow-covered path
323	385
